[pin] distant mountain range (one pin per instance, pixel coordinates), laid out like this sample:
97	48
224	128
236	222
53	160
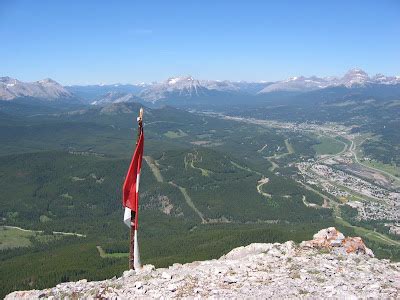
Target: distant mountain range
185	90
186	87
90	93
46	89
354	78
116	97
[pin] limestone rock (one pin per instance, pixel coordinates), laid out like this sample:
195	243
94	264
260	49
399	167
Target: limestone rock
346	269
166	275
128	273
332	239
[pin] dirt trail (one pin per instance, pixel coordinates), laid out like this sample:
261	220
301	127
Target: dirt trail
262	149
262	182
190	160
289	147
190	202
308	204
245	168
41	231
274	164
154	168
157	174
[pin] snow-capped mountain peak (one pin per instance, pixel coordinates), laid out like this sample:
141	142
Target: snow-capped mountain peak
46	89
185	86
293	78
8	81
175	80
296	84
383	79
357	71
355	77
48	81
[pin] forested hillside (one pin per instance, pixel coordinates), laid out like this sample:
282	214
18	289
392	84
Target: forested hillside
208	185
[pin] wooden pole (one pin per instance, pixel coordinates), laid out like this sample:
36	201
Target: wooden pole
133	215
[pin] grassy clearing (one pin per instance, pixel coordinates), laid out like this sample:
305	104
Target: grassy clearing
274	164
66	196
103	253
44	219
190	202
14	238
175	134
392	169
204	172
154	168
372	235
245	168
289	147
328	145
361	138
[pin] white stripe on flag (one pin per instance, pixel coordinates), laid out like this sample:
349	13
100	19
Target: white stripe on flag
137	182
127	216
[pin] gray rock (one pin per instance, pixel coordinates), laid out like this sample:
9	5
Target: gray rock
255	271
172	287
128	273
230	279
166	275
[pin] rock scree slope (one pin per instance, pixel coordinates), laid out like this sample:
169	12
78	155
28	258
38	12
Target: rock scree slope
330	265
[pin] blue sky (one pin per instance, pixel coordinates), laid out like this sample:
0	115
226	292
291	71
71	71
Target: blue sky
81	42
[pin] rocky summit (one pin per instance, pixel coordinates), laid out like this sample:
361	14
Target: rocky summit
330	265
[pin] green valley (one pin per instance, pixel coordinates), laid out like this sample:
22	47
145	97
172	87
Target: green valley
208	184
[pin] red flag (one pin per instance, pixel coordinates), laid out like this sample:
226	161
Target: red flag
130	197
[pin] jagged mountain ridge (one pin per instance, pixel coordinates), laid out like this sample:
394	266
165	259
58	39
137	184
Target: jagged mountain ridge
354	78
175	86
115	97
187	87
46	89
330	265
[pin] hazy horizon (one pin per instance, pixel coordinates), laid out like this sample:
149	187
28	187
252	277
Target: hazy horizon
129	42
197	78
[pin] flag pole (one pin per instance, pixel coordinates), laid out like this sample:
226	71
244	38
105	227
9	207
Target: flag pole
134	260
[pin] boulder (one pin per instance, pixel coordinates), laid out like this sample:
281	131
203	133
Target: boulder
333	240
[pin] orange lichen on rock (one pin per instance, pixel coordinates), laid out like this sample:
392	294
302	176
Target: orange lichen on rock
333	240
